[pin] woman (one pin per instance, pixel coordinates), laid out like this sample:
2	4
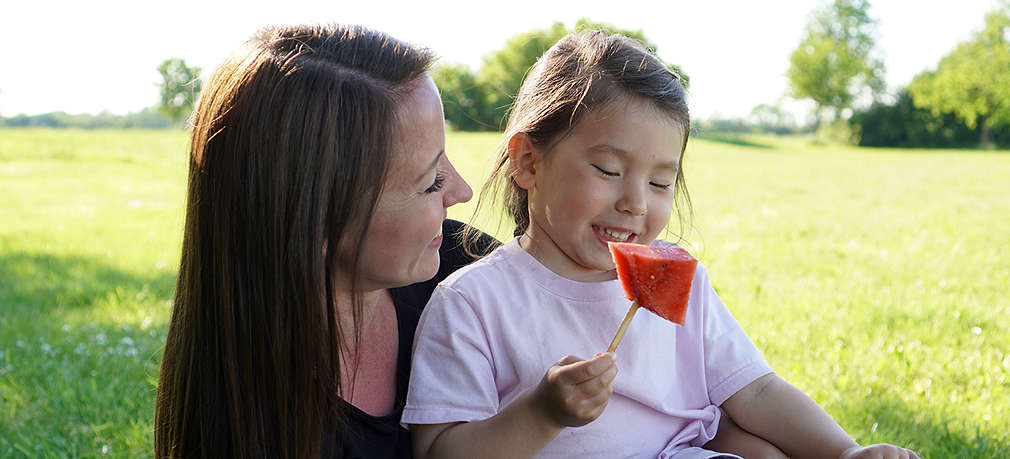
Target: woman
318	186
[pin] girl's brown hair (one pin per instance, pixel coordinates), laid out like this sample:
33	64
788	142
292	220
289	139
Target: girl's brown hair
291	144
583	72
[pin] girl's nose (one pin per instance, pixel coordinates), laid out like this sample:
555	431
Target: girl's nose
632	201
457	189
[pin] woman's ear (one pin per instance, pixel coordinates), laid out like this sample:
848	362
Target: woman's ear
523	159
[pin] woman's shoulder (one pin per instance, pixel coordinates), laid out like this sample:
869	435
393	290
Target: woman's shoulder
490	268
461	246
483	286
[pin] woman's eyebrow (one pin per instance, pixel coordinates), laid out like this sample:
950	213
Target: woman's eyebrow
431	166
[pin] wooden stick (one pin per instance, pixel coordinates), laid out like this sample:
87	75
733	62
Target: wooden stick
624	326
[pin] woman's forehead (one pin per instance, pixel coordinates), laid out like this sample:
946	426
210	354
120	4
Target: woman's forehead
420	135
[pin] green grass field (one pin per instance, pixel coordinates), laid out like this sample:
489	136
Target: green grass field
875	280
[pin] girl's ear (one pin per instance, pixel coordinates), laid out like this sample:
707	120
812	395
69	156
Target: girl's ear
523	159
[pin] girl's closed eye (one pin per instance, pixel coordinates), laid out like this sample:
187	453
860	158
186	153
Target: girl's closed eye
437	184
662	186
606	172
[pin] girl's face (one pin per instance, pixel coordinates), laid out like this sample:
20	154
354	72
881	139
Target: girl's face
611	179
402	243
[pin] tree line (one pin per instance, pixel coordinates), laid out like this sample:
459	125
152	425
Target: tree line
962	102
148	118
179	89
479	100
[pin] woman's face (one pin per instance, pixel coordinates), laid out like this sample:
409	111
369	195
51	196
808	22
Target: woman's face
401	246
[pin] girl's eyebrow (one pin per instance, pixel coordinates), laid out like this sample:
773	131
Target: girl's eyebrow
610	149
434	163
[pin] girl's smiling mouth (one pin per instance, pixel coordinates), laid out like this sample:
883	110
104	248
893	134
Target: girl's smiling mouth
612	234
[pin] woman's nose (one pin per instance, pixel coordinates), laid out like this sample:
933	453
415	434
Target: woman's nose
457	189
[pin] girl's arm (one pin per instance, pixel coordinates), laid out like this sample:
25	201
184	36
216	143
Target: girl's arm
573	393
730	438
774	410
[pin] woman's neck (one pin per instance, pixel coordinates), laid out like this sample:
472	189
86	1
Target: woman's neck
369	353
370	302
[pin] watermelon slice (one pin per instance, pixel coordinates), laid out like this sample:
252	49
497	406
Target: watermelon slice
658	277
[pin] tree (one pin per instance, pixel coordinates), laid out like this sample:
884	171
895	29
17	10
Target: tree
503	71
180	88
773	118
973	80
833	64
463	98
902	124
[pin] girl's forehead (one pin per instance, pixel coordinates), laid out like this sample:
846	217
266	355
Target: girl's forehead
625	102
633	131
628	120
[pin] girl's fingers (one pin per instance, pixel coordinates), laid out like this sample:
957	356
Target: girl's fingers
600	364
577	391
579	372
567	360
600	384
564	372
599	394
598	402
609	375
586	410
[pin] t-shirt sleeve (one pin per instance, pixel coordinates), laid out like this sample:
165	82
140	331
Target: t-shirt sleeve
732	361
452	376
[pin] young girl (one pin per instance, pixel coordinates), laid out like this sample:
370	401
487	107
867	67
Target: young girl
593	154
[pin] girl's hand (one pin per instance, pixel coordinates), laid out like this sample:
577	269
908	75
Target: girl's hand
574	392
880	451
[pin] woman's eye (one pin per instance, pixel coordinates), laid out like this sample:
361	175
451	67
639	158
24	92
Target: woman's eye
437	185
660	185
606	172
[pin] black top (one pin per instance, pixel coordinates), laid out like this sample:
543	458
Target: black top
380	437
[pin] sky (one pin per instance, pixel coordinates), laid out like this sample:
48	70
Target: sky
102	55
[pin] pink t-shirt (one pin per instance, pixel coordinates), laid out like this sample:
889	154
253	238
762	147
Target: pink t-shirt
492	329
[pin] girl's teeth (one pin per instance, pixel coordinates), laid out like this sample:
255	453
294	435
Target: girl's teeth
617	236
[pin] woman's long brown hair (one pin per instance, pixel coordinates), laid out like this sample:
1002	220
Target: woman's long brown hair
290	147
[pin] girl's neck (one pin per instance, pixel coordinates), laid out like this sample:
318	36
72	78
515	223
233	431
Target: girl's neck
545	251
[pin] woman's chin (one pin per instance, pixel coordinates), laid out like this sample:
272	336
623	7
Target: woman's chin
425	269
